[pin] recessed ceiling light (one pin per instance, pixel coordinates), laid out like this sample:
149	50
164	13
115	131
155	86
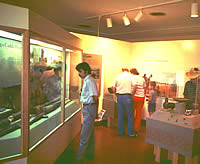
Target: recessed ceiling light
157	14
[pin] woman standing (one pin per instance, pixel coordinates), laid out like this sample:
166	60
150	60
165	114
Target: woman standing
138	98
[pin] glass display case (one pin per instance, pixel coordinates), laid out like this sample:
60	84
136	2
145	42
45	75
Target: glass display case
10	92
47	64
45	88
39	87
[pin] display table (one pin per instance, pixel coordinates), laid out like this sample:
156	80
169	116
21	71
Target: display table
177	133
110	106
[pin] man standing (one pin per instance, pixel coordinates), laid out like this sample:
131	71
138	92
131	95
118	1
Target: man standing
192	89
89	98
122	87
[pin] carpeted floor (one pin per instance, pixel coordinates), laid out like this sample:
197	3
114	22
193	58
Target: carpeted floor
113	149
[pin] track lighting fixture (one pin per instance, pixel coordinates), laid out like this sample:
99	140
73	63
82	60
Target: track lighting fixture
139	16
194	10
109	22
126	20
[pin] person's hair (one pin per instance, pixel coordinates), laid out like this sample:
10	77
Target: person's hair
134	71
85	66
153	84
125	69
57	67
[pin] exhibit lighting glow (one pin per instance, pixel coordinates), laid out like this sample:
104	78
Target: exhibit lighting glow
37	42
68	50
13	36
194	10
10	35
33	41
188	44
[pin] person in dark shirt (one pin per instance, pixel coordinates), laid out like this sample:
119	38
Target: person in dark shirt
192	88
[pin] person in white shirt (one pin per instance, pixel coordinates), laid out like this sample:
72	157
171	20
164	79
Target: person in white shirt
89	99
138	98
122	88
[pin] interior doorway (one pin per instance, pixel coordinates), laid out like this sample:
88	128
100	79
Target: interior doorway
95	62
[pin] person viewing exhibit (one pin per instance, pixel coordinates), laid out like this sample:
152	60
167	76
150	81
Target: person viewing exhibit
152	98
122	87
138	99
191	89
89	99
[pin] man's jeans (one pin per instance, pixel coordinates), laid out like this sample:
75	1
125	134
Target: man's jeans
87	139
125	103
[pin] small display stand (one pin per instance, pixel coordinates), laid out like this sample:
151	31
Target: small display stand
179	134
110	106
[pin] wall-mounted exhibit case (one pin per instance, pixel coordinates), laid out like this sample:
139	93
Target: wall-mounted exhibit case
39	87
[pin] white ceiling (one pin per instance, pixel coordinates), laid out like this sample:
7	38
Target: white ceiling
71	14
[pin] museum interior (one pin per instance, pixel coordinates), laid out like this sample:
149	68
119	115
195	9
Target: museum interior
40	113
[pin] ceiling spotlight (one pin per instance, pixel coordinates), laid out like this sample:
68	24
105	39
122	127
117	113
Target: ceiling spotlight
194	10
139	16
109	22
126	20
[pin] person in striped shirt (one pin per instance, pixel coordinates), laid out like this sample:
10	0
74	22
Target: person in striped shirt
138	98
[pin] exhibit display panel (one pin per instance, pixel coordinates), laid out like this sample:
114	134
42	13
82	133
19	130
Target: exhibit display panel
47	65
49	77
45	89
10	93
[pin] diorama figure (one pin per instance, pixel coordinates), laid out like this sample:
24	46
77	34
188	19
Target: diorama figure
52	86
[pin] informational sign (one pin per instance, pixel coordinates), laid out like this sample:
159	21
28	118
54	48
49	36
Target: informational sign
10	62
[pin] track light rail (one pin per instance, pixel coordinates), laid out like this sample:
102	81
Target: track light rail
137	8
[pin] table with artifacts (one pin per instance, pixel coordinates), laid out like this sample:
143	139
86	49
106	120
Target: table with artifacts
175	131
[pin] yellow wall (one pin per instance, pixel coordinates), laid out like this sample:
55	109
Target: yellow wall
159	58
166	57
115	55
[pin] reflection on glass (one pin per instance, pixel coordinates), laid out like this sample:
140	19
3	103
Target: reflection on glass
67	74
10	95
73	83
45	90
